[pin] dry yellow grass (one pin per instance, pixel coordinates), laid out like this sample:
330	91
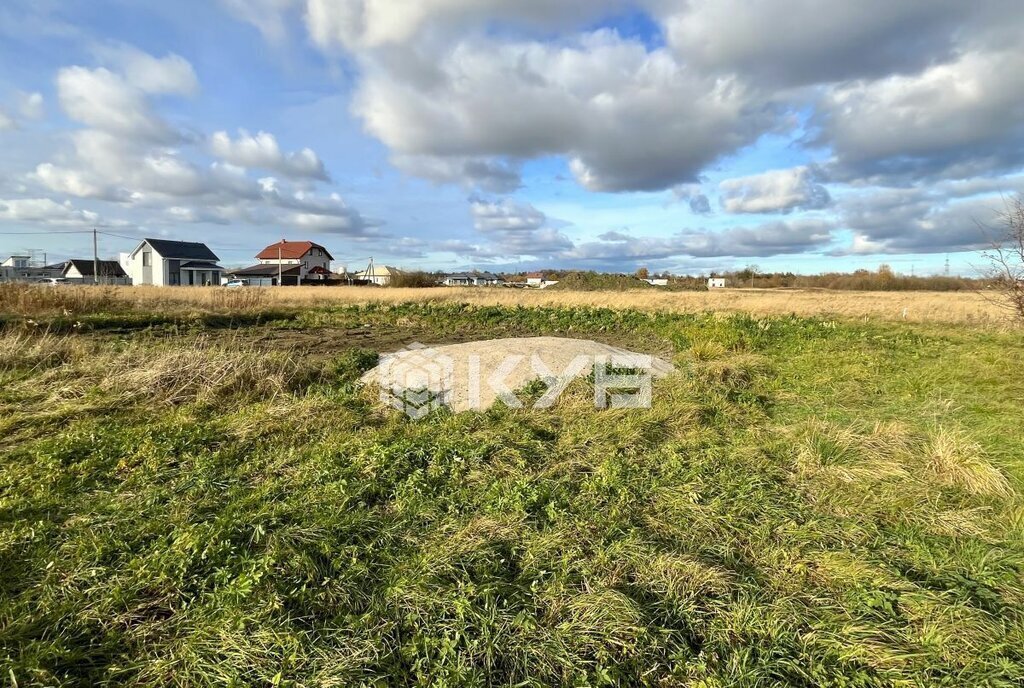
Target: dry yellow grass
944	307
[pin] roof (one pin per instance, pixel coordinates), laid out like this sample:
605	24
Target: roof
473	276
181	250
379	271
535	275
108	268
200	265
290	250
266	271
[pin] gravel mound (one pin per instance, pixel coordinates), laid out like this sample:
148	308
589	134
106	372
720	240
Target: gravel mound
473	375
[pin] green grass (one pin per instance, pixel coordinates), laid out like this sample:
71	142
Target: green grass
806	503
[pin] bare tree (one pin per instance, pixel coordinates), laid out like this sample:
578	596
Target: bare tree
1007	257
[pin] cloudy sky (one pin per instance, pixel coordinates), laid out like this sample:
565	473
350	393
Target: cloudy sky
682	135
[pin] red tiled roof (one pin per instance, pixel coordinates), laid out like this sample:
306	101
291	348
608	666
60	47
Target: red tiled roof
535	275
290	250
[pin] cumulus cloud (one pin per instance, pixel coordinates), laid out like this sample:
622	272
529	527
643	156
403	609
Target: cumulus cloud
956	119
772	239
694	197
104	100
266	15
46	211
775	191
487	174
921	220
262	151
506	216
626	117
169	75
360	24
31	105
512	229
794	42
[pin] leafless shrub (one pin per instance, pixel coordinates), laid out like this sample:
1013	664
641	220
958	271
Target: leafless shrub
1007	258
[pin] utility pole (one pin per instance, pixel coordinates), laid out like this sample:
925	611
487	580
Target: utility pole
95	259
279	270
947	265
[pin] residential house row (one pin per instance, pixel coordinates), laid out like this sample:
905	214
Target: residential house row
165	262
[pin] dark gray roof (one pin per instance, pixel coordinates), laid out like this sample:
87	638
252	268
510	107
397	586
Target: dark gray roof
182	250
108	268
199	265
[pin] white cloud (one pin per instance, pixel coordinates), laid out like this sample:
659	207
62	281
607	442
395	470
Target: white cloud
170	75
488	174
777	238
775	191
627	118
262	151
71	182
360	24
45	211
6	121
104	100
815	41
266	15
956	119
506	216
30	105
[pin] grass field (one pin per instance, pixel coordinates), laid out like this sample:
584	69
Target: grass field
911	306
194	491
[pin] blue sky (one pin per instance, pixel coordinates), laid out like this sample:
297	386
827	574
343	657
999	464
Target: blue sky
680	135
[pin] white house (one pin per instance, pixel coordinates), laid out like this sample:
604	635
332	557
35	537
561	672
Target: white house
291	262
378	274
171	263
535	279
716	283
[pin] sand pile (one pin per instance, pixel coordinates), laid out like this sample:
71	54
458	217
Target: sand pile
473	375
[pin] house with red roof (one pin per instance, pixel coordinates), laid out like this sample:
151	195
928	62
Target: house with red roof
288	262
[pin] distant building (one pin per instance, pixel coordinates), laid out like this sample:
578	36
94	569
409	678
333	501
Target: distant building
657	282
716	283
15	262
82	270
21	269
290	262
535	279
473	279
378	274
162	262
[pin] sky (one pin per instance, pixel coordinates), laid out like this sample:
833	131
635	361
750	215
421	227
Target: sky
688	136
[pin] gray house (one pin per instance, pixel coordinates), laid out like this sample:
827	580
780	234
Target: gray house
473	279
171	263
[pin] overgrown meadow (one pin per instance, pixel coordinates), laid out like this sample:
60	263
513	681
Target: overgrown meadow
211	498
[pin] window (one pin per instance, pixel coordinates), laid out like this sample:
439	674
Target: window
147	259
